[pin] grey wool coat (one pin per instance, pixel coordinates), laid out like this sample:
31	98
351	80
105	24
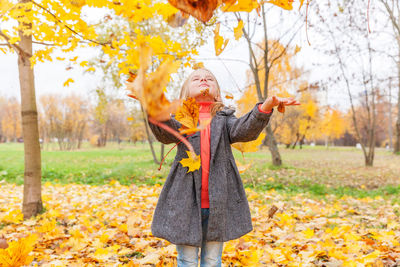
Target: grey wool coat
177	216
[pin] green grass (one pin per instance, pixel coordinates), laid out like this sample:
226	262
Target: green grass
132	164
317	171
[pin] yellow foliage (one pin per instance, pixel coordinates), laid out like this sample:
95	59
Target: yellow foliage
251	146
298	233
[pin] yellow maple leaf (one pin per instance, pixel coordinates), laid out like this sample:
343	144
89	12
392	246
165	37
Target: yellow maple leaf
251	146
308	233
238	31
67	82
17	254
190	162
219	42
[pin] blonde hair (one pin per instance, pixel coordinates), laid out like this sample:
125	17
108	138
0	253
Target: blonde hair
216	106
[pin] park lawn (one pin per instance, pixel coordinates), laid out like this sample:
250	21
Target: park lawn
98	207
313	170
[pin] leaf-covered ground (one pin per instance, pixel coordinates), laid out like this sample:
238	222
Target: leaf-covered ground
109	225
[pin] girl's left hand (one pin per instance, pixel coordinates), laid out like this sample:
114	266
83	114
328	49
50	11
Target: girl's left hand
273	101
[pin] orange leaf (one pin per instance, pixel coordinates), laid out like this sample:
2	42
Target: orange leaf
178	19
229	96
238	31
200	9
219	42
281	107
188	113
149	88
198	65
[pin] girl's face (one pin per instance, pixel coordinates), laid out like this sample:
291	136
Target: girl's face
198	84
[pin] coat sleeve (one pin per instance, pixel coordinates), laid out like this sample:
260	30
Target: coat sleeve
162	135
249	126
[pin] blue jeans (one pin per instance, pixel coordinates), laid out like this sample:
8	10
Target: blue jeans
211	251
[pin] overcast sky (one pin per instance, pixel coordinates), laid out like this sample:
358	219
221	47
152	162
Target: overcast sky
50	76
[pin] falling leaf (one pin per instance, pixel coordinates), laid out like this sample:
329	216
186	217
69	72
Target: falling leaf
281	107
190	162
188	116
219	42
297	49
178	19
149	88
238	31
83	63
200	9
229	96
285	4
132	76
67	82
242	167
251	146
301	4
198	65
188	113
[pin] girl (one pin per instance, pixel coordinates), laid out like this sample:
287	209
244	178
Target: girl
207	207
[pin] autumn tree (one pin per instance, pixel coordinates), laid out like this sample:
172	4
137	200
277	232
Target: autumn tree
264	57
333	125
49	24
110	118
351	48
392	10
284	79
64	119
10	120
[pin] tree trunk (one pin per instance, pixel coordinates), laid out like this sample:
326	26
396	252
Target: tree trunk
396	149
32	199
273	146
149	139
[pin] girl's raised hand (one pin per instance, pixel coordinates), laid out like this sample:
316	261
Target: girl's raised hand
273	101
